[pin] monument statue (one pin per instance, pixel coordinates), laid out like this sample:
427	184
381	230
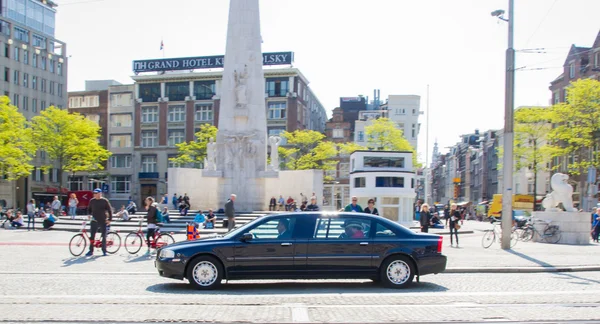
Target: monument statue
562	192
240	87
211	155
274	143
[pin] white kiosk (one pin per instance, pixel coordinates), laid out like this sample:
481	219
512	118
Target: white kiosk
387	177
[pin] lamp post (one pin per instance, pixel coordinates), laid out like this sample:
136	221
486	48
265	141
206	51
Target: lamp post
509	102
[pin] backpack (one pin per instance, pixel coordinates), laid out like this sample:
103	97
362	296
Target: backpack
159	216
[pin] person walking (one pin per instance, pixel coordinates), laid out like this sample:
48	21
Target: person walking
101	211
425	219
354	206
56	206
73	202
31	214
174	201
371	208
152	221
313	205
454	223
230	212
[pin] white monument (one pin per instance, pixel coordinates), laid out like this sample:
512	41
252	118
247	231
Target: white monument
210	162
274	143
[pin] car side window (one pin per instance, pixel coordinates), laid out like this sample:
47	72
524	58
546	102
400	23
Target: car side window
382	232
278	228
344	228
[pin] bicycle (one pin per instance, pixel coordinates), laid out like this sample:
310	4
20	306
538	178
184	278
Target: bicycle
489	237
550	233
135	240
79	241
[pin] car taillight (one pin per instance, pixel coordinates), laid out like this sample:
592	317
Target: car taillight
440	240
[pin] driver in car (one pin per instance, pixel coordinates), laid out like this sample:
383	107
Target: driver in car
283	229
353	229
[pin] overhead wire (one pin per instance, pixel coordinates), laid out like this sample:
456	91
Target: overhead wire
541	22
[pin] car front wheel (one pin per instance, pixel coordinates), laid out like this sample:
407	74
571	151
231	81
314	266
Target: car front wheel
205	273
397	272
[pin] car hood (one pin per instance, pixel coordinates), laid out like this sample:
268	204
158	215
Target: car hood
185	244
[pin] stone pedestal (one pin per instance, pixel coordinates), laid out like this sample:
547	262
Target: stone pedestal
574	226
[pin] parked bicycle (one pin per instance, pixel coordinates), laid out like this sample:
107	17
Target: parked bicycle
550	233
135	240
79	241
489	237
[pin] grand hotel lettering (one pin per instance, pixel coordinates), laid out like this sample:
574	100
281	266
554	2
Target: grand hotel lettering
203	62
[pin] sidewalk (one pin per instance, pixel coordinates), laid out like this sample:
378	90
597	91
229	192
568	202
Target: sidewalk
47	252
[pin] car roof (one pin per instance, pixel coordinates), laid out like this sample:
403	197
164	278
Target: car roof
324	213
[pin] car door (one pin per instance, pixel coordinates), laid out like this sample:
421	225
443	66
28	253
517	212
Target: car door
269	252
340	245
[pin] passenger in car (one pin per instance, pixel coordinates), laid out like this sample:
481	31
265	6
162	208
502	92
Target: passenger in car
353	229
283	229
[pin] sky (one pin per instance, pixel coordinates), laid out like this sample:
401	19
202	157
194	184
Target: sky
351	47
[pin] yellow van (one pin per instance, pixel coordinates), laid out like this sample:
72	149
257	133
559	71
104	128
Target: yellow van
520	202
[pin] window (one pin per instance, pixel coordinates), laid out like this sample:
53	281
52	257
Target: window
204	112
6	74
277	87
39	41
94	117
75	183
60	90
53	175
361	136
26	80
414	111
120	141
344	170
121	99
149	163
346	228
149	92
176	136
338	133
21	34
204	90
16	55
52	88
177	91
34	105
414	130
383	231
149	138
176	113
26	57
16	100
360	182
6	51
383	162
572	70
34	60
59	68
400	111
16	77
384	182
43	105
120	161
150	114
121	120
93	184
597	59
34	82
565	95
120	184
276	110
43	85
556	98
279	228
38	176
173	164
51	65
43	65
25	103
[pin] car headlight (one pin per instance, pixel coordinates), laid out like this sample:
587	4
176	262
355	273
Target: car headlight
167	254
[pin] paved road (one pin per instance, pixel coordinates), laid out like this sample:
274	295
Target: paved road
446	297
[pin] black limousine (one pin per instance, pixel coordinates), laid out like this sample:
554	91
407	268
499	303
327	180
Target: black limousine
317	245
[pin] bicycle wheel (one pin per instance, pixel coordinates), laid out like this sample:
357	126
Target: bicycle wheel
552	234
163	240
488	239
78	244
527	234
113	242
133	243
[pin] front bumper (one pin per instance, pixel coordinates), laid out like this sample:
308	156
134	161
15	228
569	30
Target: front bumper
432	264
169	269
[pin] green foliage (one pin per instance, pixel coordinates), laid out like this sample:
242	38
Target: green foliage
195	151
384	135
308	151
577	126
16	142
350	147
70	140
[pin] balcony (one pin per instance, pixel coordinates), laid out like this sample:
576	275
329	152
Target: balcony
148	175
277	93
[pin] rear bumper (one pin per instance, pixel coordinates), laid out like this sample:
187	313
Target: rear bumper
168	269
432	264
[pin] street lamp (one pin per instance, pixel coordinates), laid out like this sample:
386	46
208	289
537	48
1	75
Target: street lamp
509	102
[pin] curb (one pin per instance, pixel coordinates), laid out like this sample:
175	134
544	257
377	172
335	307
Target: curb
521	269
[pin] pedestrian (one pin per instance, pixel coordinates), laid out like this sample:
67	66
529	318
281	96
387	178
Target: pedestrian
186	199
454	226
165	215
425	218
31	214
272	204
596	228
18	220
281	203
151	221
56	206
73	202
354	206
371	207
49	220
101	211
230	212
313	205
165	200
174	201
289	203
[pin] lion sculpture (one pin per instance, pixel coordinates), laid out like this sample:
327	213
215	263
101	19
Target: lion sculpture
562	192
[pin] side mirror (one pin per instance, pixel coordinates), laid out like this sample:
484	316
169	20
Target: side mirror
246	237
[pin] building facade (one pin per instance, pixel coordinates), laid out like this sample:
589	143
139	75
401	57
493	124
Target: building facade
34	66
405	110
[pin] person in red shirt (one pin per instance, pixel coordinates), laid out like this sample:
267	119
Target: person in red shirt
289	203
353	229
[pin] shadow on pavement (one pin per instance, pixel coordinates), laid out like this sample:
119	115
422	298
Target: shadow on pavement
79	260
567	276
139	258
292	287
528	258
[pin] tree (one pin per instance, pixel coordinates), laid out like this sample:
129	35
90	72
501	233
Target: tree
576	135
350	147
309	151
384	135
195	151
16	144
70	141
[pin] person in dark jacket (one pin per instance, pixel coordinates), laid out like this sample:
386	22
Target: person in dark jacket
425	218
230	212
272	204
152	222
313	205
101	211
455	218
371	208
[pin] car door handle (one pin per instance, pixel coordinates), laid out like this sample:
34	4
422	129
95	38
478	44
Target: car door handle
364	243
286	244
